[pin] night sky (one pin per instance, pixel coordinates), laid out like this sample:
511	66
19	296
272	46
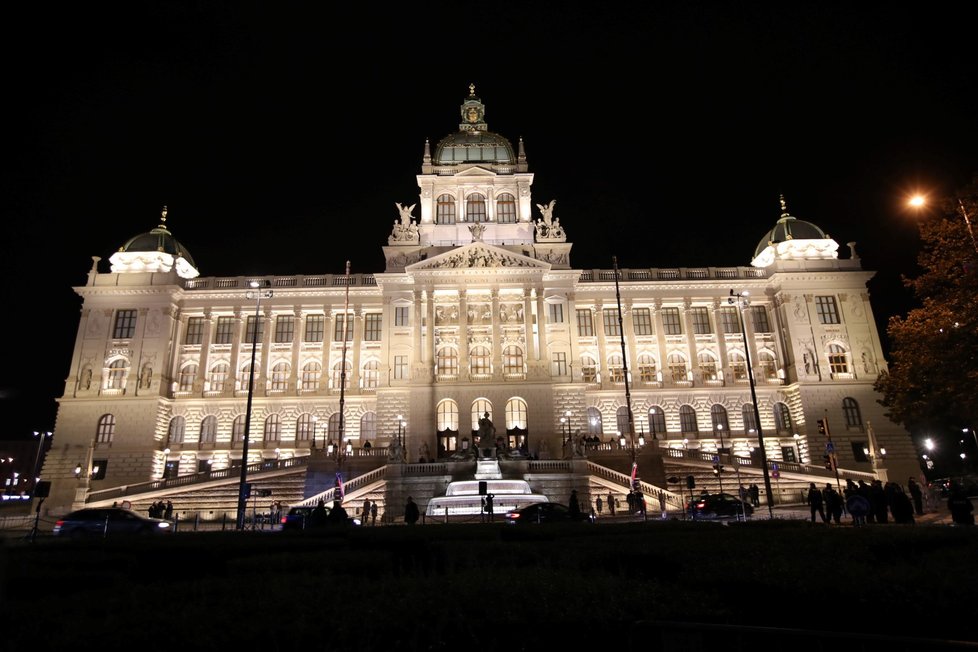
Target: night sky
280	138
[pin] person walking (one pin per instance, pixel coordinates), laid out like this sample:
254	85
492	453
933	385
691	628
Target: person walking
168	512
365	511
599	504
373	513
916	495
755	495
815	502
833	504
411	513
574	507
611	503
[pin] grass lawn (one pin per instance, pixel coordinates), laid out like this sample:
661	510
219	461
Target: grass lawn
488	587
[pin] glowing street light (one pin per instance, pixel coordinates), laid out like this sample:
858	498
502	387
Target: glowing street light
919	201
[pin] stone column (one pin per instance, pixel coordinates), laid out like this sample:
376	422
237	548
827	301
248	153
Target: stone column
239	325
463	336
721	339
575	349
690	341
497	349
261	379
541	323
531	355
297	316
660	338
205	352
357	341
597	318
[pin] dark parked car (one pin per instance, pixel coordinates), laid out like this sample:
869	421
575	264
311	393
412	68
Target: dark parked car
545	513
300	518
718	506
109	521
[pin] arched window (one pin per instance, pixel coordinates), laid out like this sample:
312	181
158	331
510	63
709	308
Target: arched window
718	415
708	365
311	374
595	427
273	429
768	365
677	367
515	414
657	421
219	376
174	434
646	368
616	368
238	429
368	427
782	419
750	419
738	365
447	415
479	361
479	407
333	428
208	430
854	419
475	208
370	375
280	376
838	360
621	420
188	374
447	360
687	420
106	429
305	429
589	369
445	209
117	374
338	375
505	208
512	360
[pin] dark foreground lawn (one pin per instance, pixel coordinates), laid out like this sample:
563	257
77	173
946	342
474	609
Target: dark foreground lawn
633	586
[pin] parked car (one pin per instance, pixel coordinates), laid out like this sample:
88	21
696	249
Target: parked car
718	506
539	513
109	521
300	518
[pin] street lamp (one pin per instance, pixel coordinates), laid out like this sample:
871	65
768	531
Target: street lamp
401	427
652	423
565	424
742	301
41	438
918	201
257	294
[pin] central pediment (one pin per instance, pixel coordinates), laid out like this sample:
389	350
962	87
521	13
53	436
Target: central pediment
477	255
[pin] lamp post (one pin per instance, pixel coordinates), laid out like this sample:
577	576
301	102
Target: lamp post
742	301
565	424
401	425
343	450
624	363
41	438
719	461
652	414
257	294
975	436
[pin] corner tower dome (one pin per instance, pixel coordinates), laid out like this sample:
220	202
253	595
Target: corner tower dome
155	251
473	142
794	239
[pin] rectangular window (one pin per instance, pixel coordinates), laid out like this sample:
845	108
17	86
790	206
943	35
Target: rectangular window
671	322
701	321
730	320
250	333
371	327
401	316
99	467
758	316
225	330
284	329
642	321
560	364
788	454
314	328
556	313
585	328
338	328
400	367
195	331
125	325
826	310
611	322
860	451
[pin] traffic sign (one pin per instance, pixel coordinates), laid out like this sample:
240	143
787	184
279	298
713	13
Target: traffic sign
775	474
829	447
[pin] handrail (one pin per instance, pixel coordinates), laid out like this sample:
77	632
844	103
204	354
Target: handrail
352	484
648	489
196	478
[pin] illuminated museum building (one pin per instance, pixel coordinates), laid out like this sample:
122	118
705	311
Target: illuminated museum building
479	309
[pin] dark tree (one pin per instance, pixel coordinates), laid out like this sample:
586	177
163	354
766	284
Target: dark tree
933	373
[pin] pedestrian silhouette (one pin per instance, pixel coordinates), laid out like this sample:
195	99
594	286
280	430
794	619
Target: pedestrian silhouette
573	505
815	502
411	513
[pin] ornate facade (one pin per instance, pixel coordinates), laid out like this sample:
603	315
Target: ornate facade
478	310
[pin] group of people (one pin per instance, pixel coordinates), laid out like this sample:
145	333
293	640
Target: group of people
751	494
866	503
160	509
334	516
